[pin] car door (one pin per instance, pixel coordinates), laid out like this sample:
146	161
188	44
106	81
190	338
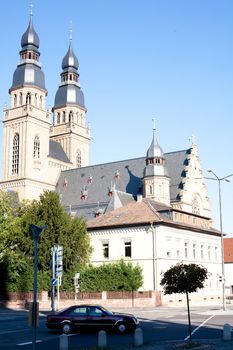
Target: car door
98	318
78	316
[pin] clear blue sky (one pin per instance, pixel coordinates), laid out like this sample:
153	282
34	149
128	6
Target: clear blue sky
169	59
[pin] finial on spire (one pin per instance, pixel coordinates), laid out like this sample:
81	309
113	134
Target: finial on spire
31	8
71	31
192	139
153	120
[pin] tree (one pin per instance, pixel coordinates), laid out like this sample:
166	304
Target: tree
16	243
184	278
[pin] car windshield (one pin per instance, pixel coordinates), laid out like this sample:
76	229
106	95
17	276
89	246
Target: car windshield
106	311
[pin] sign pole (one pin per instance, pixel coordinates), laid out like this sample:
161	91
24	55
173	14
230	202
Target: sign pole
53	278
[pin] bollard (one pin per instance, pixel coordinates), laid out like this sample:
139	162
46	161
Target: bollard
102	340
63	342
227	331
138	337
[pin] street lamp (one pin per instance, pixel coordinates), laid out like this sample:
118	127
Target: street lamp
219	179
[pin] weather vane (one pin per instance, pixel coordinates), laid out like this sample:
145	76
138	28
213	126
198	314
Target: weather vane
153	120
31	8
71	31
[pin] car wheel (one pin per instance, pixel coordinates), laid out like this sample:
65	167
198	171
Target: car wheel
66	328
121	327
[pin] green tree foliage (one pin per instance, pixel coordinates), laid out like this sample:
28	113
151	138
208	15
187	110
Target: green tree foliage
118	276
184	278
62	229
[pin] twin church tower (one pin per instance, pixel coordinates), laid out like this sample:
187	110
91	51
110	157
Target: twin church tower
40	154
36	150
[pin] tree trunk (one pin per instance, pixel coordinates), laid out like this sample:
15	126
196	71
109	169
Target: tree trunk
190	331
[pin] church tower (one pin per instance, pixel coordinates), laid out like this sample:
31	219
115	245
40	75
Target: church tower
69	113
26	123
156	182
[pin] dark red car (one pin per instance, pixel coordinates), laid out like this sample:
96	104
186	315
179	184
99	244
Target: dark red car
91	317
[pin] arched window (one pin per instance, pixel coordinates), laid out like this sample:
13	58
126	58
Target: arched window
63	117
15	155
78	159
70	116
35	100
15	100
58	118
20	98
28	98
150	189
41	98
36	153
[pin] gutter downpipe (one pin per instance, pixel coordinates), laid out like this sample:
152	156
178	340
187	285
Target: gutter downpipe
154	253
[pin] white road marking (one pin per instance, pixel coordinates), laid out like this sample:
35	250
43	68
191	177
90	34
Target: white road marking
30	342
202	324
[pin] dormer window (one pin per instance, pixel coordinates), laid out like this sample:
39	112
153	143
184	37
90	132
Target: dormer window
84	193
90	179
117	175
65	182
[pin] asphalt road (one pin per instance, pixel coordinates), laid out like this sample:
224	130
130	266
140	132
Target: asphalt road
158	324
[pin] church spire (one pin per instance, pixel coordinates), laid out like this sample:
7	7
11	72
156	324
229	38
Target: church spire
155	152
28	71
155	176
69	91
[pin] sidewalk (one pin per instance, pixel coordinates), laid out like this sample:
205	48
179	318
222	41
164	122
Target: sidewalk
215	344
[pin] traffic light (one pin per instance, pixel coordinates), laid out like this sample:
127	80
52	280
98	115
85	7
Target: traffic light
77	281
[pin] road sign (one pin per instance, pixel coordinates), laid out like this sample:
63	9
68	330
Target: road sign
54	281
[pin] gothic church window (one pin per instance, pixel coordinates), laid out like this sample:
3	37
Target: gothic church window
78	159
15	155
36	153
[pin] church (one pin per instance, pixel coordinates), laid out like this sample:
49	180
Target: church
153	210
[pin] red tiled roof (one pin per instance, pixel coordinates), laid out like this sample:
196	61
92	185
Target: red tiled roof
228	250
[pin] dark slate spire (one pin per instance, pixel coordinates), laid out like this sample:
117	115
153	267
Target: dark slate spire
70	60
30	38
155	160
28	71
69	91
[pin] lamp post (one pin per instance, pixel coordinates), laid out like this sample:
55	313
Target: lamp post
219	179
35	232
